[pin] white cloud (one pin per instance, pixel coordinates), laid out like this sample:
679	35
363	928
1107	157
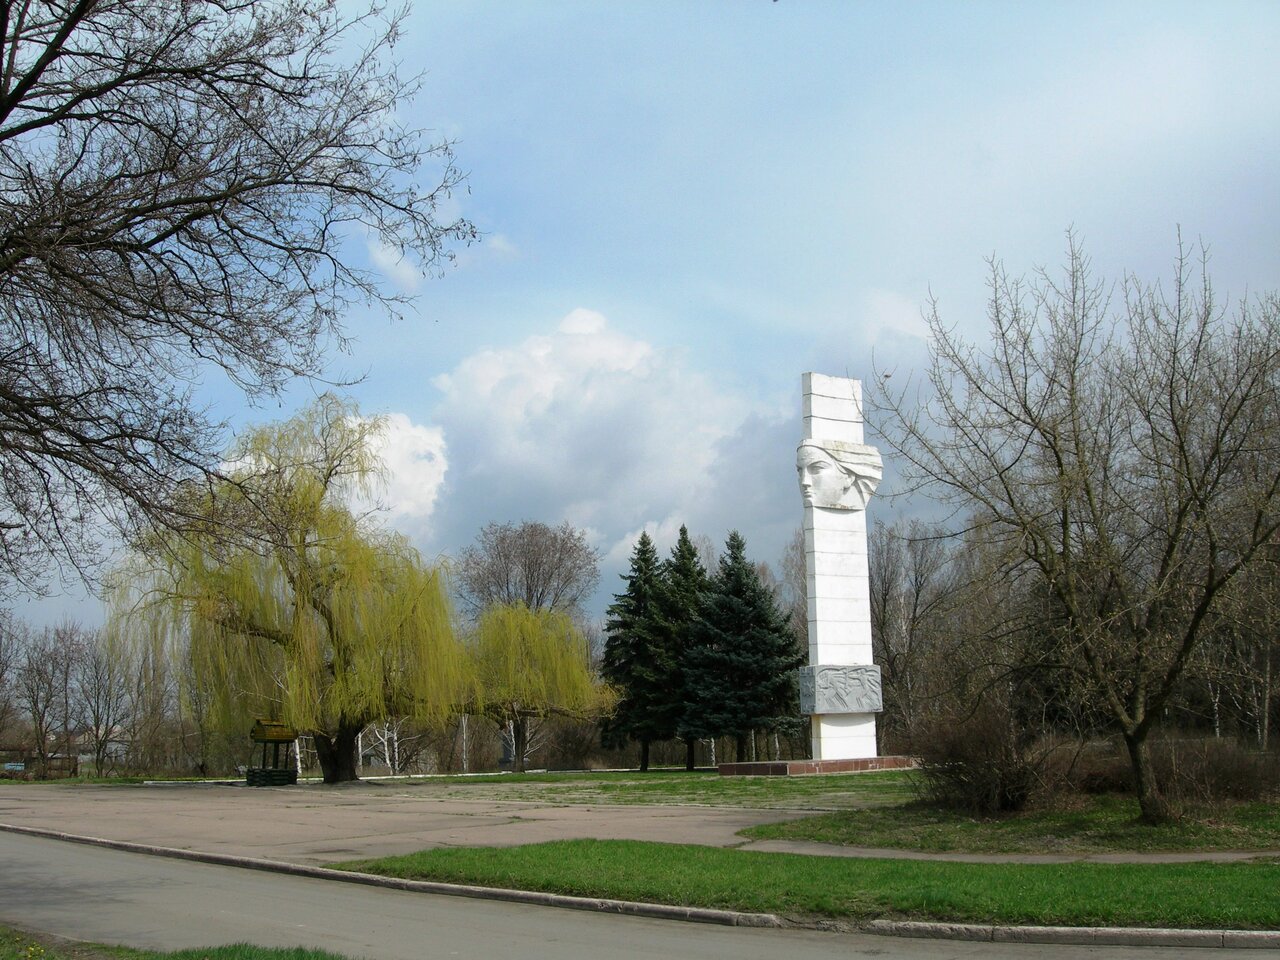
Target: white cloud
887	312
500	246
493	249
663	533
582	322
607	431
415	461
395	266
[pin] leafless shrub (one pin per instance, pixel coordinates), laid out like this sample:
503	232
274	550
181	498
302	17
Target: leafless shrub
975	761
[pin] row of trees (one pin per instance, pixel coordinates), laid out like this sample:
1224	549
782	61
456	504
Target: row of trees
67	692
287	604
1115	463
697	656
78	700
276	599
974	666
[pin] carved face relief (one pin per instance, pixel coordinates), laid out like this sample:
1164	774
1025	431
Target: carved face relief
838	475
822	482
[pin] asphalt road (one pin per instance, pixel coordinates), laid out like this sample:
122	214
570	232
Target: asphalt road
90	893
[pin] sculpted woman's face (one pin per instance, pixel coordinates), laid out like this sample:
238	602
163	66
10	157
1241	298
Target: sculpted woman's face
822	481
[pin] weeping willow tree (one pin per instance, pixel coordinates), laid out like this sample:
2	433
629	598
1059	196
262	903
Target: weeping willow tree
291	606
531	664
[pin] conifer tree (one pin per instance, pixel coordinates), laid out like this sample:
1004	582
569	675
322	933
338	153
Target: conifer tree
683	582
635	661
740	667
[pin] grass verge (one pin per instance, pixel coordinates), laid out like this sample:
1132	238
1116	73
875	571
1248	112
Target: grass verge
89	780
20	945
1194	895
1105	824
668	786
833	792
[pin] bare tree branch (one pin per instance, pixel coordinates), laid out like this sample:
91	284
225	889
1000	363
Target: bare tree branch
179	187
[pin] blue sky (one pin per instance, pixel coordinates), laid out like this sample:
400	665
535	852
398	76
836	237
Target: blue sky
688	204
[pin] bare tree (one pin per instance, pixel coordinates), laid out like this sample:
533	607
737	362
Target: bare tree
707	550
11	636
180	186
1130	464
1238	661
543	567
102	695
911	587
794	590
44	690
152	694
397	742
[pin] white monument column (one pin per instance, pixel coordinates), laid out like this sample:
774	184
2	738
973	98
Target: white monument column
840	688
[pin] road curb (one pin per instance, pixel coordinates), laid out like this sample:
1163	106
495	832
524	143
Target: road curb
659	911
987	933
1080	936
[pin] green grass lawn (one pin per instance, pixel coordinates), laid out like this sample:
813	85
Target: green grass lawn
668	786
88	780
1104	824
838	792
1237	895
17	945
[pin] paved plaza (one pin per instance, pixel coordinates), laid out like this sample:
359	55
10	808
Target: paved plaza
314	824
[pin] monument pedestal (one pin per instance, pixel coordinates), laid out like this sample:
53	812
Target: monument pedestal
843	736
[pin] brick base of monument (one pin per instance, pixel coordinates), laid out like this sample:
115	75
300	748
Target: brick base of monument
802	768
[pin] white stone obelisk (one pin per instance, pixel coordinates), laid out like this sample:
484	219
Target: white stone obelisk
840	689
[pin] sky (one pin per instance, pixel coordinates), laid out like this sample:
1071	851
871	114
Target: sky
686	205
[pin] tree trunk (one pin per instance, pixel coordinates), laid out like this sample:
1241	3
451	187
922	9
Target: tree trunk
1215	698
519	743
337	754
1155	808
1264	728
690	753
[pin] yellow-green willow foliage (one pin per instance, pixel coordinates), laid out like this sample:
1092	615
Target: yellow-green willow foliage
534	663
292	607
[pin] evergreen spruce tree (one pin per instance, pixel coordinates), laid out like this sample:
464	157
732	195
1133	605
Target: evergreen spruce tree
740	668
635	661
684	581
